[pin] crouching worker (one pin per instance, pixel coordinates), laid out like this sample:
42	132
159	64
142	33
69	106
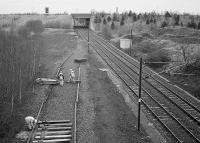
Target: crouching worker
30	121
61	78
71	76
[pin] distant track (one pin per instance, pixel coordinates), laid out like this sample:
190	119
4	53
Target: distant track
176	110
47	96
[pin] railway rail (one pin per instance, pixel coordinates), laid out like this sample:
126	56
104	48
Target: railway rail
176	110
57	131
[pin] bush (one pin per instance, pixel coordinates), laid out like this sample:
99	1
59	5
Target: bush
35	26
198	27
23	31
167	14
164	24
97	19
107	32
147	22
122	22
109	19
104	21
158	56
176	18
57	24
113	26
192	24
193	67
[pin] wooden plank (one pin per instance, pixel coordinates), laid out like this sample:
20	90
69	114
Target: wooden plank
56	128
53	121
53	132
52	141
53	137
57	124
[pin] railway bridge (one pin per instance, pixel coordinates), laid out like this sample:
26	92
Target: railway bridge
81	20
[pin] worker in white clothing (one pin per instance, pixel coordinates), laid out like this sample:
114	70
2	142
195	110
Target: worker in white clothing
61	78
72	76
30	121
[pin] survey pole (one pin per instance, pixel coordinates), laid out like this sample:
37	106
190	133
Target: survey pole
140	88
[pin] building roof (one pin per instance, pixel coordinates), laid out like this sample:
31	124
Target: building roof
81	15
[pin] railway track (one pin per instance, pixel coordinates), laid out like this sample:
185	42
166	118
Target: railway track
176	110
53	131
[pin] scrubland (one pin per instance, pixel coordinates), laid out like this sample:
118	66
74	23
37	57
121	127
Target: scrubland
170	38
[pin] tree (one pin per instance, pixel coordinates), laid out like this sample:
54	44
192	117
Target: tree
97	19
154	21
176	18
109	19
198	25
122	21
192	24
164	24
115	17
151	20
130	13
35	26
134	17
104	21
147	22
181	24
113	26
106	31
167	14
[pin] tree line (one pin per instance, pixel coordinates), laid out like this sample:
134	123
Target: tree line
166	19
19	61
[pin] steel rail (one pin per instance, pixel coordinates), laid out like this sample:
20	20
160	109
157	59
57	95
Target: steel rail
76	104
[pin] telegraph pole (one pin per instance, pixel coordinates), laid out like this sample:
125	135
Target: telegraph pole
88	36
131	42
140	88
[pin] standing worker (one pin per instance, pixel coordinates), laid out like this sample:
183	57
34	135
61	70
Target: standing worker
30	121
61	78
72	76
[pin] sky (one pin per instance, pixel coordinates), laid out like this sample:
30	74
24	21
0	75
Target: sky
85	6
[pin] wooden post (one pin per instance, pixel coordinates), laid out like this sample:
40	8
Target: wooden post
88	39
20	85
33	72
131	43
140	88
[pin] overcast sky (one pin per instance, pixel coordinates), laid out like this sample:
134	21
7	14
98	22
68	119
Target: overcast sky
71	6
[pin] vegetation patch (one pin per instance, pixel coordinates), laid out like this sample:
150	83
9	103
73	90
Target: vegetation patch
19	56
